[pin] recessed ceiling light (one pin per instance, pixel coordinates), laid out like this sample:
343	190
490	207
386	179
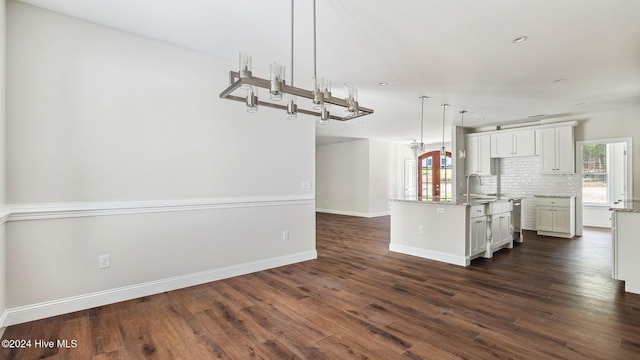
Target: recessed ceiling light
535	116
581	103
384	83
519	39
559	80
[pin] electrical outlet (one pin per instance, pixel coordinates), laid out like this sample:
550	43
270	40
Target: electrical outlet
285	235
104	261
440	210
307	185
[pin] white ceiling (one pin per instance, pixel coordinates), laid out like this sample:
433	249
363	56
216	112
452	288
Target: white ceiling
458	52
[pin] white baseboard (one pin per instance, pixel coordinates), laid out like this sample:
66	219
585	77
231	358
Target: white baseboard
82	302
431	255
3	318
353	213
631	287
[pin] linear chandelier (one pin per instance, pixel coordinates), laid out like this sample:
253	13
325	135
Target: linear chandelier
320	95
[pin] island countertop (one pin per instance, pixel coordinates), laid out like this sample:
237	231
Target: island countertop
627	206
431	202
451	203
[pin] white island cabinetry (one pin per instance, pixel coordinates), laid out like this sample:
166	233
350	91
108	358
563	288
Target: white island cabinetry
625	245
477	230
430	230
501	229
454	233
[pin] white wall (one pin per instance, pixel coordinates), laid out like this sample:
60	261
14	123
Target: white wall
359	177
611	125
342	177
120	145
381	177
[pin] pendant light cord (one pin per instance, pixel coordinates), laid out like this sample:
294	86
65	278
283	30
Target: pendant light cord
315	75
444	107
443	156
422	121
292	43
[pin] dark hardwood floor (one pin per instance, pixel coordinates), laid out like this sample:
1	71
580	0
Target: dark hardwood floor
545	299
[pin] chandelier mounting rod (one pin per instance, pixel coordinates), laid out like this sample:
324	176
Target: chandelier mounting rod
315	74
292	28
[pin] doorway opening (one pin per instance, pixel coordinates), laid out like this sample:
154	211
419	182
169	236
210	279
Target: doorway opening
435	174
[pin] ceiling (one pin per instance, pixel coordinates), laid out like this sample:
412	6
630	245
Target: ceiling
580	56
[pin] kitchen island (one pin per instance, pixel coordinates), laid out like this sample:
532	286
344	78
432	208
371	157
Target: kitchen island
451	232
625	244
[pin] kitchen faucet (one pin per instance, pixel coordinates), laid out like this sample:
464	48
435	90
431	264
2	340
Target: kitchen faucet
468	181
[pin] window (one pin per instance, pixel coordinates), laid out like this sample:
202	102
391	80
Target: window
603	173
594	174
434	180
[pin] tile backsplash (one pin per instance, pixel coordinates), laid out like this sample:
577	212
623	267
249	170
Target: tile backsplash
520	177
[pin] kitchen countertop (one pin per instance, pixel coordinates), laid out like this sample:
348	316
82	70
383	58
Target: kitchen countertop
554	196
628	206
452	203
432	202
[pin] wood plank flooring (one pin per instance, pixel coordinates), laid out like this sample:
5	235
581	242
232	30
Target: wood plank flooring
548	298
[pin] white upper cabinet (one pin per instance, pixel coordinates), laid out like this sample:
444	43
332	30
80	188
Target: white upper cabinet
557	150
502	145
478	158
513	144
525	143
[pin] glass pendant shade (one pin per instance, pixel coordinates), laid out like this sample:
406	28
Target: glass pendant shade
277	82
292	107
352	99
324	116
252	99
318	94
244	65
326	92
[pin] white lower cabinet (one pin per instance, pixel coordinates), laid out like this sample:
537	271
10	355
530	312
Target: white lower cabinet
477	235
555	216
490	228
477	241
501	232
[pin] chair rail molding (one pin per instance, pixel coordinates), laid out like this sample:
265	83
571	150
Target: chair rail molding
25	212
